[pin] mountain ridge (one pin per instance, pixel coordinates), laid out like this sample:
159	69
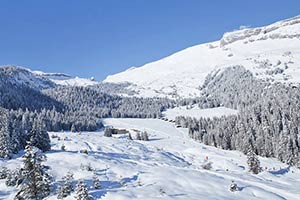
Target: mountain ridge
269	52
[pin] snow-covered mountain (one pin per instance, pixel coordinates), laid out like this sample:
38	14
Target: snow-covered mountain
41	80
271	52
65	79
22	76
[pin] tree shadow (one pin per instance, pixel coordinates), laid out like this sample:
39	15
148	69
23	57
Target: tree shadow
281	171
111	186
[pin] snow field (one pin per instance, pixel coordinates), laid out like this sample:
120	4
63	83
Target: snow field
166	167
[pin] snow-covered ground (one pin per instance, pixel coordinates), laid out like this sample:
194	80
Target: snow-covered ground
166	167
196	112
270	52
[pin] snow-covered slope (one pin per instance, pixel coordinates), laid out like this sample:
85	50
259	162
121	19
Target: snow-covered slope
166	167
271	52
40	80
65	79
196	112
22	76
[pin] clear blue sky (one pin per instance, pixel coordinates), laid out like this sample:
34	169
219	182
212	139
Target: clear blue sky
101	37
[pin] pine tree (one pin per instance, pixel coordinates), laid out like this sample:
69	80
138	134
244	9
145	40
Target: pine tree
253	161
5	140
3	172
39	137
73	128
144	136
35	180
96	182
138	136
13	178
67	186
82	191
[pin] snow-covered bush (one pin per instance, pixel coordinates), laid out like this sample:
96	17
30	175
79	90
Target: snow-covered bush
206	165
3	172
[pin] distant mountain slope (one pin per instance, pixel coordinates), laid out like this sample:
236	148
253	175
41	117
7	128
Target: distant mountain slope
22	76
67	80
270	52
20	88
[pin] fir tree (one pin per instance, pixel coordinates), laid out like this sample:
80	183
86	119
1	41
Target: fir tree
82	191
67	186
96	182
35	180
253	161
13	178
138	136
39	137
3	172
5	139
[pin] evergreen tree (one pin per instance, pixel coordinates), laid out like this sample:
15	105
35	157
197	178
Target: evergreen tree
3	172
5	139
144	136
13	178
39	137
67	186
73	128
96	182
138	136
253	161
35	180
82	191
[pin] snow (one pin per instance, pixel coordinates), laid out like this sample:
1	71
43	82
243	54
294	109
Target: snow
75	82
166	167
24	76
197	112
257	49
65	79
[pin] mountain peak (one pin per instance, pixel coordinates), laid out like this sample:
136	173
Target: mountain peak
288	28
271	53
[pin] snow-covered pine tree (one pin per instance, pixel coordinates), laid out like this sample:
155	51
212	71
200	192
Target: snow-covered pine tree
5	140
138	136
39	136
67	186
73	128
253	161
3	172
12	178
96	182
144	136
35	180
82	191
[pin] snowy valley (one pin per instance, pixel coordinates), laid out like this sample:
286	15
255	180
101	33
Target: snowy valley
218	120
168	166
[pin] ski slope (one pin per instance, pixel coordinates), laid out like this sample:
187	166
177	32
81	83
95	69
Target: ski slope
271	53
166	167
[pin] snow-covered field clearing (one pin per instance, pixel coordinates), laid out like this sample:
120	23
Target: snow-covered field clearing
198	112
166	167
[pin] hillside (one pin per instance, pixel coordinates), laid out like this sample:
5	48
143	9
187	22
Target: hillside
271	53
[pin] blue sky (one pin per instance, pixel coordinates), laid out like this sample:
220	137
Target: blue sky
102	37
